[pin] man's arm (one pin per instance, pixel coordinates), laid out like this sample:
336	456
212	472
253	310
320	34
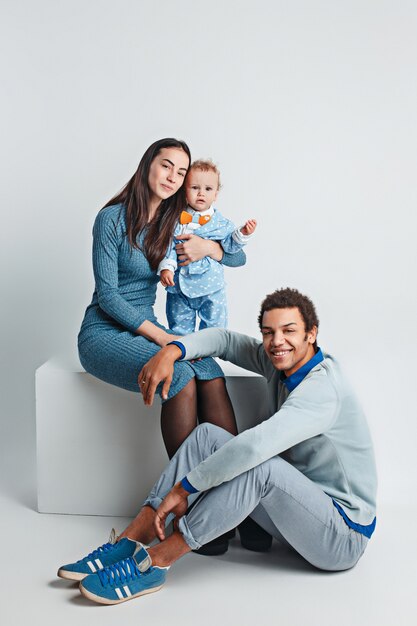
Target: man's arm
242	350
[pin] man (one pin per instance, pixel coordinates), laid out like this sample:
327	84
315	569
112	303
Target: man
306	474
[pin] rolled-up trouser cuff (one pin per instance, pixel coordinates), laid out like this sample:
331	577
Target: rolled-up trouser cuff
186	533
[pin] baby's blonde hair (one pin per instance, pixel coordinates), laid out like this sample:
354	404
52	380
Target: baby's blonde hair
206	165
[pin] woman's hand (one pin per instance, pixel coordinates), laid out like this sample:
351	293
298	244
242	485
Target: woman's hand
194	248
174	502
159	368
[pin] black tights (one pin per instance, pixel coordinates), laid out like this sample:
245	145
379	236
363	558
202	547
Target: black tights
202	400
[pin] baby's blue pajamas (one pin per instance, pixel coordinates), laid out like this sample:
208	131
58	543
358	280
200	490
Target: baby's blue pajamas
182	311
199	289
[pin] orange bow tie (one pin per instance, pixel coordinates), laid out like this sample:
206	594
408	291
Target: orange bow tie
187	218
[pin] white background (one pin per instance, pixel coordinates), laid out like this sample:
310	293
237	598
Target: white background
309	108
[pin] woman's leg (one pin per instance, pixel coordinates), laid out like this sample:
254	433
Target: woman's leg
207	398
214	405
119	362
179	417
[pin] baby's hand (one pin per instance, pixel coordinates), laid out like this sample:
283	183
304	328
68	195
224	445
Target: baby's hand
167	278
248	228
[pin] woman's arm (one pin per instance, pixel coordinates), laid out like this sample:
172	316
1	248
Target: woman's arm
107	236
154	333
193	248
234	260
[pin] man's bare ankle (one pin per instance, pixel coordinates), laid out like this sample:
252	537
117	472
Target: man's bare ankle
141	529
164	554
160	560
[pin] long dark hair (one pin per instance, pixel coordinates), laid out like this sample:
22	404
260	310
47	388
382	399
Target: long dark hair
135	197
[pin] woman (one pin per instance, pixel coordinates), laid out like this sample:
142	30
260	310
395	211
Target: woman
120	332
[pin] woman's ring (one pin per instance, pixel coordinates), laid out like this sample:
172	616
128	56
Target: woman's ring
143	381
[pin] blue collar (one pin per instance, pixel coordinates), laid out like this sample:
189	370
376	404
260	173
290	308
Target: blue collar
295	379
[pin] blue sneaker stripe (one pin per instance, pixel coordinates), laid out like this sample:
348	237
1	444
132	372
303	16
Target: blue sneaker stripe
127	591
119	593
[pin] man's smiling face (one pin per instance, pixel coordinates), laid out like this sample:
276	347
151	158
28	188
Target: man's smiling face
285	339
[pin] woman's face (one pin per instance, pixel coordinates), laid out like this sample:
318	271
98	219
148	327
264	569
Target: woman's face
167	173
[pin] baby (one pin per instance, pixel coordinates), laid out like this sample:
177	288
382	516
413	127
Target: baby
199	288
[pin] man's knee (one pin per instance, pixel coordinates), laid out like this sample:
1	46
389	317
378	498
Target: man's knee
207	432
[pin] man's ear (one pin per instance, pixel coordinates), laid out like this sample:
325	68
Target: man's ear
312	335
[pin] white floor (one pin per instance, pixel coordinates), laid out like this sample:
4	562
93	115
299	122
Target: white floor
238	588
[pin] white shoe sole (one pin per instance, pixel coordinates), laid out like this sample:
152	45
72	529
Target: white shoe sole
63	573
100	600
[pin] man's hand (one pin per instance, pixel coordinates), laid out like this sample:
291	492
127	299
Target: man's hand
174	502
248	227
167	278
159	368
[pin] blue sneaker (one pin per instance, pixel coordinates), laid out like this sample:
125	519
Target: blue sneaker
107	554
128	579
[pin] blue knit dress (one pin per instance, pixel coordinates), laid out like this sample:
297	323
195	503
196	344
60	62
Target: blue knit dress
123	299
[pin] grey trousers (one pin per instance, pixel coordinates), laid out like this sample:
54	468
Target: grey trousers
277	496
